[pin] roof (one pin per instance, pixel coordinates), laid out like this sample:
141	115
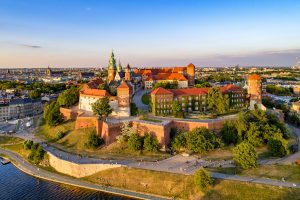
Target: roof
190	91
93	84
169	76
124	85
94	92
195	91
161	90
191	65
229	88
254	77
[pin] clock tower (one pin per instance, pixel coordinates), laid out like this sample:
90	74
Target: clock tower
112	68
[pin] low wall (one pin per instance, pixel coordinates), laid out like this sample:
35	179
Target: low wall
86	122
75	169
69	113
184	126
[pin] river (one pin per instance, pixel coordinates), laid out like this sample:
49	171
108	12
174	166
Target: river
15	184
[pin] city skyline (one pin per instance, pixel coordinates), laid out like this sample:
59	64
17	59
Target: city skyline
149	33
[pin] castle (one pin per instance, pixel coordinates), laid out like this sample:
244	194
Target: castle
185	76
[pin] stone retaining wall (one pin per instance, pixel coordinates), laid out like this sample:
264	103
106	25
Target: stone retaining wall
75	169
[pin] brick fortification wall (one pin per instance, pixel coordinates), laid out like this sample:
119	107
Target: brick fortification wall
160	131
69	113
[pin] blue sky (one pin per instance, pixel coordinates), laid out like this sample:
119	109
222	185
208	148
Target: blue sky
76	33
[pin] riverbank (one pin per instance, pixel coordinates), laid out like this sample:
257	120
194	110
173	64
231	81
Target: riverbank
115	181
28	168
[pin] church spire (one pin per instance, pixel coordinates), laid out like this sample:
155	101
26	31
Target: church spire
119	68
112	62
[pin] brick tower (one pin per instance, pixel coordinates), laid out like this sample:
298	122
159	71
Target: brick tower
124	92
255	91
191	74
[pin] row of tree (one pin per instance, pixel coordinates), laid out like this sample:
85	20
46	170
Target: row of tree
68	98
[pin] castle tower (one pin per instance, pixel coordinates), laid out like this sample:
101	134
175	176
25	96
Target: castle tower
191	74
128	73
124	92
112	68
255	91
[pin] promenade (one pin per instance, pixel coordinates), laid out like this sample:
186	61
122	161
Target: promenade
30	169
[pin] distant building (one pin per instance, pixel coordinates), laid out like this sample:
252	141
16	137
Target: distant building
85	75
192	99
51	73
20	108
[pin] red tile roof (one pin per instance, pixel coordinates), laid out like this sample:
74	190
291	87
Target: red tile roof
190	91
195	91
161	91
170	76
124	85
94	92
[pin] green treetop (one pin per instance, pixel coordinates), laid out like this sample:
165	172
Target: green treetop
112	62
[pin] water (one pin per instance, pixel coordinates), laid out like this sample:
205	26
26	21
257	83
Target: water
15	184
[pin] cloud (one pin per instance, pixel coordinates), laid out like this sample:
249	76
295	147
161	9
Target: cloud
88	9
31	46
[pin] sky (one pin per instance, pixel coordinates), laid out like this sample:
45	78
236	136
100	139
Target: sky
149	33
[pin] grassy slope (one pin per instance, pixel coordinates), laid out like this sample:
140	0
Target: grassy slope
75	139
181	186
4	140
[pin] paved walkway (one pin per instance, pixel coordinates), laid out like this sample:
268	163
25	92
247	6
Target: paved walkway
40	173
137	99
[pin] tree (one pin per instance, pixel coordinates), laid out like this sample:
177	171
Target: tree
52	114
229	133
178	143
150	143
135	142
217	102
28	144
201	140
278	146
101	107
202	179
37	154
254	135
177	109
103	86
35	94
126	132
245	155
93	141
69	97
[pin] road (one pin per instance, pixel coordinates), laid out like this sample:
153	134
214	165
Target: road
137	99
40	173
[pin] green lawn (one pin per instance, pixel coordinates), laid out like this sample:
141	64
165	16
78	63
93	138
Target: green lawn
146	99
9	140
182	187
290	173
150	120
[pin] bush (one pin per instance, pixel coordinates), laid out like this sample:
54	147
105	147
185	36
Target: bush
135	142
201	140
202	179
245	155
278	147
229	133
28	144
93	141
150	143
178	143
37	154
133	109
